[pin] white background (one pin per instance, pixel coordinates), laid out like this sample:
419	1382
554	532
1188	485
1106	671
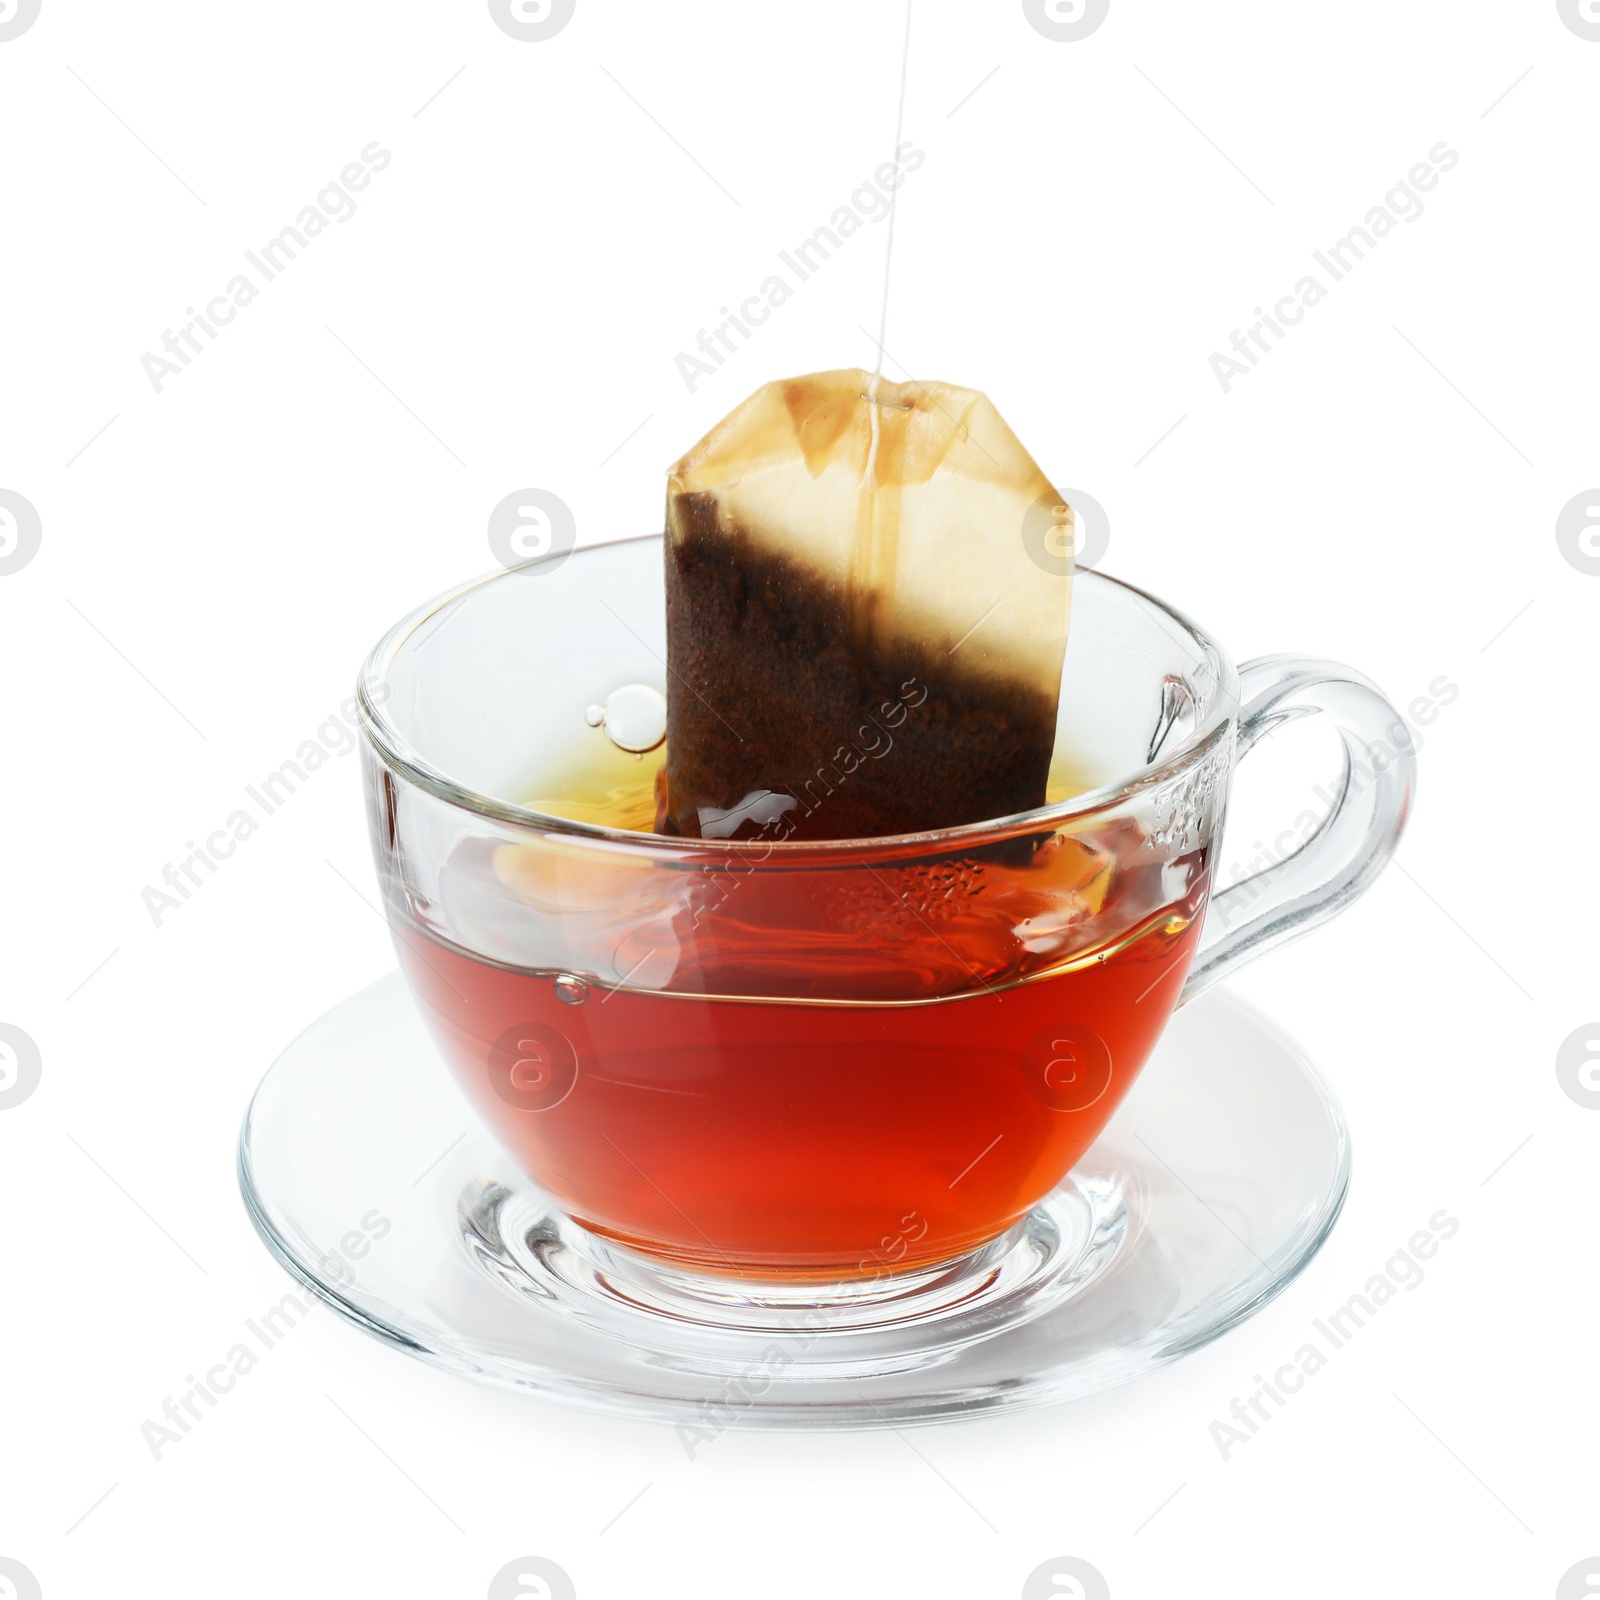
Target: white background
1382	489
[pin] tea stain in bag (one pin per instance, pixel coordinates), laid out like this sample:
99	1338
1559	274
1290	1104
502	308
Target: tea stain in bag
859	640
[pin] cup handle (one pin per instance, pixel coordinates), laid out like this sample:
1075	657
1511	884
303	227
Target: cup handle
1341	858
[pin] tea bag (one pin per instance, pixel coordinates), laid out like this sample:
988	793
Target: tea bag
867	606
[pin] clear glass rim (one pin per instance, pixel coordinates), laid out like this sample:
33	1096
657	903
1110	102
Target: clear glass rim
399	755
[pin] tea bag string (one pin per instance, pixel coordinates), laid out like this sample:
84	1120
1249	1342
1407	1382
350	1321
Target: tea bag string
869	479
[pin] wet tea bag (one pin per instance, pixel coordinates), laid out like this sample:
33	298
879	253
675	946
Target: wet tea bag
867	597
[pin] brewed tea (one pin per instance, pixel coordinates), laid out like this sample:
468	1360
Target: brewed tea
805	1073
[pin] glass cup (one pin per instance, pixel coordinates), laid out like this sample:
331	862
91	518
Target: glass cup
764	1068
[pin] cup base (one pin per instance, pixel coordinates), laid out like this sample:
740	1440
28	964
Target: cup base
371	1181
1063	1246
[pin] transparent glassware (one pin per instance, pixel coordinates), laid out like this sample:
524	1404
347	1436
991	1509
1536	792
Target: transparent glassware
843	1134
823	1073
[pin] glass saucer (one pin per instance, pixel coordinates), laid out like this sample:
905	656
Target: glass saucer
370	1179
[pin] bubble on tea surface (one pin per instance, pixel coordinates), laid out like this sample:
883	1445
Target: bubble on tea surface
634	717
570	989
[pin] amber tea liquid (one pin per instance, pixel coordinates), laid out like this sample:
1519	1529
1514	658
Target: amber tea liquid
929	1051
